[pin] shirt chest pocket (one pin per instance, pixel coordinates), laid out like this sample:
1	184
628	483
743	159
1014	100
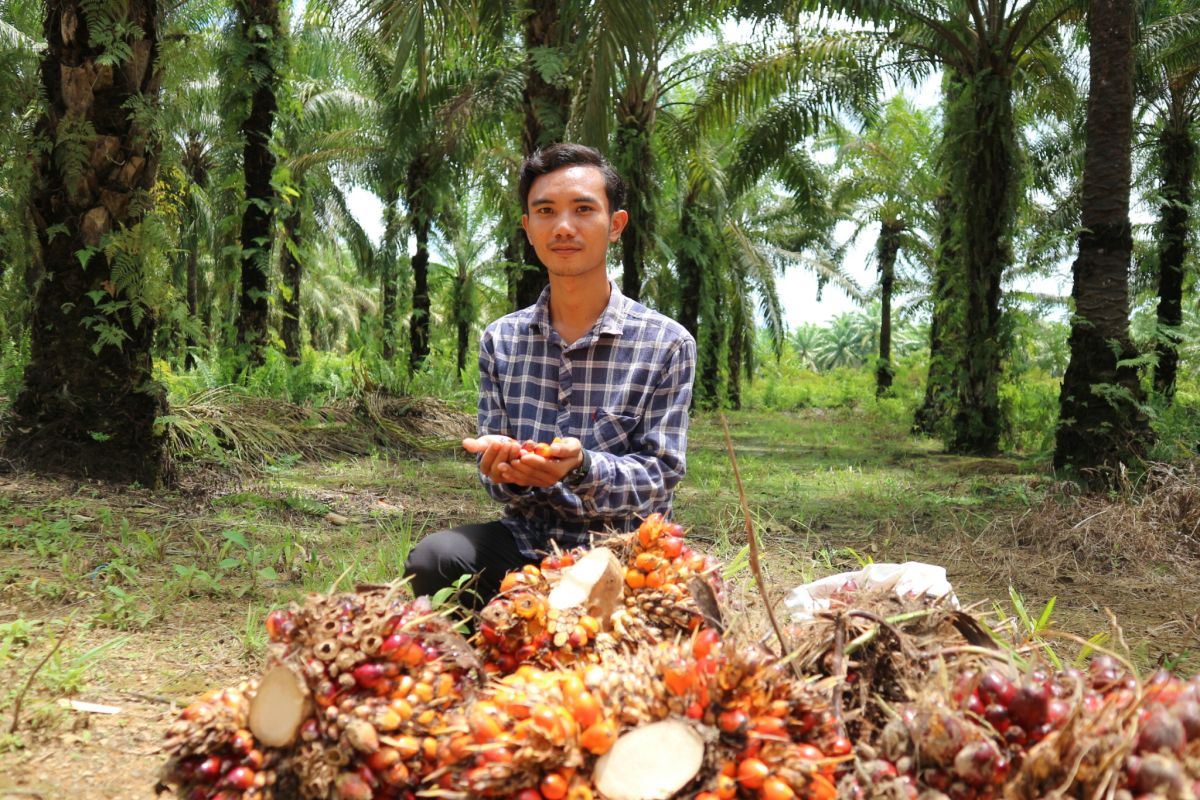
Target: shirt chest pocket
615	433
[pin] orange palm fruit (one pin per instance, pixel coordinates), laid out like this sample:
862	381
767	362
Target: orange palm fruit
752	772
553	786
776	788
599	738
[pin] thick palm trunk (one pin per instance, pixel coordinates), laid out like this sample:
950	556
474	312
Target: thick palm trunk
464	313
1101	427
260	30
1177	154
944	319
193	304
636	111
688	265
889	247
712	334
419	200
546	107
388	275
292	269
739	345
89	399
988	188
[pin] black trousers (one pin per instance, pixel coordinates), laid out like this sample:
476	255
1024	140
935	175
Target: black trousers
484	550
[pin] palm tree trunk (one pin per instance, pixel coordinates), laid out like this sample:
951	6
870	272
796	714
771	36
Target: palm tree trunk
889	247
419	201
738	346
260	29
89	400
1100	430
193	303
1177	155
292	270
688	264
464	313
546	107
988	192
636	110
712	334
388	275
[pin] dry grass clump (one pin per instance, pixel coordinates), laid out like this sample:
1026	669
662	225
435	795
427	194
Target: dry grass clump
237	429
1158	521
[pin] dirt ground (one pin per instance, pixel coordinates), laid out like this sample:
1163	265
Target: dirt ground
200	644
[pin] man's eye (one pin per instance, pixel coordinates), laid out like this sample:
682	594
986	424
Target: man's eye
584	209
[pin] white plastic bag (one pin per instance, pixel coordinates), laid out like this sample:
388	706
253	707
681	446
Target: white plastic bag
912	578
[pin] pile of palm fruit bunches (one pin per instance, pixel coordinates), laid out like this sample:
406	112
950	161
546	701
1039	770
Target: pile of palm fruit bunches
609	673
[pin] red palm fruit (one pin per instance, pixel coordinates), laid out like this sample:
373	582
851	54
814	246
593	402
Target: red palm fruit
242	742
254	760
553	786
383	758
647	562
542	449
1162	732
485	727
397	774
1028	705
394	643
809	752
351	786
821	788
726	785
585	708
996	688
705	640
839	746
671	546
655	579
775	788
240	778
528	445
310	731
650	529
769	726
733	721
695	711
752	772
599	738
635	578
707	796
275	624
208	770
680	677
198	793
368	674
528	794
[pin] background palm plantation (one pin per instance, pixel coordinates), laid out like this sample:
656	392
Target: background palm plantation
176	184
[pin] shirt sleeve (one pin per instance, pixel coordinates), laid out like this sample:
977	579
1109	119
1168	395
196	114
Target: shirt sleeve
493	417
639	482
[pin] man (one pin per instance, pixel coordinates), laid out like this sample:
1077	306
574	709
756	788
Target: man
607	376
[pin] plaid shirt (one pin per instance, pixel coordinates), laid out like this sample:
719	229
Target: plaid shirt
623	389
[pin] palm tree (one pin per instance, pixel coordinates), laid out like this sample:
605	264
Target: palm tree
1102	426
990	46
888	180
259	57
89	400
1168	85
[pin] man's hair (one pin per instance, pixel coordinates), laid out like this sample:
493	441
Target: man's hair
556	156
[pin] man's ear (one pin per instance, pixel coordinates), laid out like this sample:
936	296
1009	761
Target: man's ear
525	226
616	225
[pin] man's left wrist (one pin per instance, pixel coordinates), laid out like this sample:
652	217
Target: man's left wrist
580	471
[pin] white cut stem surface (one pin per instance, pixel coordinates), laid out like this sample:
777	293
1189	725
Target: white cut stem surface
595	582
652	762
279	707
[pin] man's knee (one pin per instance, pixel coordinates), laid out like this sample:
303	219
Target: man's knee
427	563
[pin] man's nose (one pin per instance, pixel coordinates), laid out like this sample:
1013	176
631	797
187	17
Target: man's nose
563	226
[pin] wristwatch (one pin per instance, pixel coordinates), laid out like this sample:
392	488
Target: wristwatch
576	476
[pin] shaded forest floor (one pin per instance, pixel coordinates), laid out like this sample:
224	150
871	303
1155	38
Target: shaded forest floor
148	598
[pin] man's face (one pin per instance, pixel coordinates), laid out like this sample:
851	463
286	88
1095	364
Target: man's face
569	223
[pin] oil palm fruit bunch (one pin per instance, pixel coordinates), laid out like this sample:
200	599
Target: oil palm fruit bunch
214	756
683	717
355	690
636	589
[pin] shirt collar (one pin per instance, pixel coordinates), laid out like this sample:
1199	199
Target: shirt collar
611	320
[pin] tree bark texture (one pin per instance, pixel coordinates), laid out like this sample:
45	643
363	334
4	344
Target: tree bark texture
546	106
689	264
985	218
89	400
421	213
1100	425
292	272
889	248
712	335
1177	157
636	112
388	275
259	27
738	347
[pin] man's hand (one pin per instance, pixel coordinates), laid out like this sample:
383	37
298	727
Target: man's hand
504	462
